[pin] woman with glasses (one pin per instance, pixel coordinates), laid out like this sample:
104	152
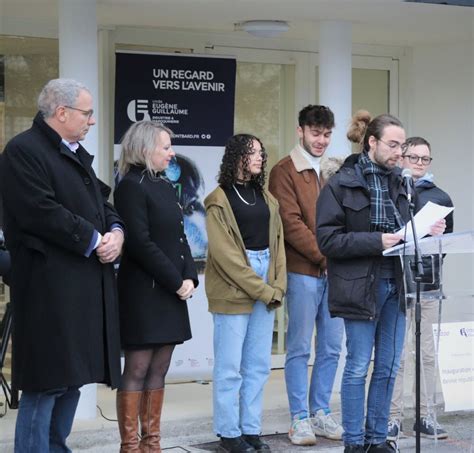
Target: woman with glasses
245	282
156	277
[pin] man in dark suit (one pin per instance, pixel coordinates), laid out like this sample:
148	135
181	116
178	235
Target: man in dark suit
63	237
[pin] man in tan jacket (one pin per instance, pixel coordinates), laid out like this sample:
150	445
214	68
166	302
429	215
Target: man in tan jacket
295	182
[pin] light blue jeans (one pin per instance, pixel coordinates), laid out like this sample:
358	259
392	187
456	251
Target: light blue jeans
385	334
242	359
44	420
307	304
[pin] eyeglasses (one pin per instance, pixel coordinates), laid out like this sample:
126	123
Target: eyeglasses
393	145
414	159
87	113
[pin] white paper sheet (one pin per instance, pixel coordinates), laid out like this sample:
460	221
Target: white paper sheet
424	219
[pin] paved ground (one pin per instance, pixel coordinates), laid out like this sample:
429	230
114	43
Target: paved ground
196	436
187	425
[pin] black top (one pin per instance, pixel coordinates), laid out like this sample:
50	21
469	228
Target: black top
253	218
387	267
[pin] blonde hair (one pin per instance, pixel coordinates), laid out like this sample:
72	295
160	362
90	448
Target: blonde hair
138	145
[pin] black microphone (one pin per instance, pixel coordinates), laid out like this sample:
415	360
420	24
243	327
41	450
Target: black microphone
408	183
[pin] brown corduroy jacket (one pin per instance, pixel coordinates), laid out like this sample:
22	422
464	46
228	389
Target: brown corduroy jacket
296	186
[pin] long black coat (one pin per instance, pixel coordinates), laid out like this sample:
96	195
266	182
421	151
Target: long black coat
353	252
65	311
155	262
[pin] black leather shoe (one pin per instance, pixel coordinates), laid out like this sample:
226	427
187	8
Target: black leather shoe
256	442
354	449
384	447
235	445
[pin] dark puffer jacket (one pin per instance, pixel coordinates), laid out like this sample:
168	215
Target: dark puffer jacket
353	252
426	191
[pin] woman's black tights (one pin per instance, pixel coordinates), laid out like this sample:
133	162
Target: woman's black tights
146	369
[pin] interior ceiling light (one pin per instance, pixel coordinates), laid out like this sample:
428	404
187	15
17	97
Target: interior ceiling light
263	28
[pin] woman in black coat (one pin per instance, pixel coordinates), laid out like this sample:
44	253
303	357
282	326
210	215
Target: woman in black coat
156	277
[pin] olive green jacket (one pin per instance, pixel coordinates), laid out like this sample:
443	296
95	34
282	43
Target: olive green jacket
232	287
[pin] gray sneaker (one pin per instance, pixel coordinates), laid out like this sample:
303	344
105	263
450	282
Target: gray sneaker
429	429
301	432
394	429
324	425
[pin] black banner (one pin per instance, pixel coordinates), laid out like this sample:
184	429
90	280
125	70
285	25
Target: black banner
193	96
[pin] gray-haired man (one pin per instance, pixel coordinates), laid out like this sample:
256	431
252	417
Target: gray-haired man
63	237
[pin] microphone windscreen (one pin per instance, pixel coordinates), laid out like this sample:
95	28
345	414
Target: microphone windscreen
406	173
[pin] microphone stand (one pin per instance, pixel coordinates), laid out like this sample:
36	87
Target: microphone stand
418	277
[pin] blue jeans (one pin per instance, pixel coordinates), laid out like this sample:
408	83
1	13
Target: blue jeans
242	360
386	334
307	304
44	420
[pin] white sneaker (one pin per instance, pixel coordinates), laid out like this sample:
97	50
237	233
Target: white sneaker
301	432
324	425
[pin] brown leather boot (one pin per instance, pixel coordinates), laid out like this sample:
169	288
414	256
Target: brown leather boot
150	416
128	407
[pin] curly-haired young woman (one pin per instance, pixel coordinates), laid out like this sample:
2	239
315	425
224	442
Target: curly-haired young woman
245	282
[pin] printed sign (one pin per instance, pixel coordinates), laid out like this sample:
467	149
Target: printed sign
456	364
192	95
